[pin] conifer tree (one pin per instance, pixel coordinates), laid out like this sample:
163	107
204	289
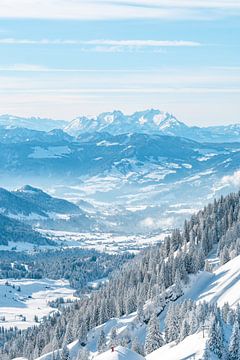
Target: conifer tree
137	347
113	337
102	342
154	338
215	340
140	312
206	354
234	343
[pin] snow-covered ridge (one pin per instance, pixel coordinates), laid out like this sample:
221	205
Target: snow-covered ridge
149	121
34	123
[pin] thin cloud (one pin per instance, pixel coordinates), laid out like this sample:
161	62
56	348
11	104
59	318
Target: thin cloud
116	9
40	68
190	90
103	45
212	4
143	43
23	68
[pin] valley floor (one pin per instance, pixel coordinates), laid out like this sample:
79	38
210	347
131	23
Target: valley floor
106	242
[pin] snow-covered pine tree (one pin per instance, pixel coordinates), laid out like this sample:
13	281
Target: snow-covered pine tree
113	337
177	290
237	316
225	355
82	334
83	354
140	312
172	325
184	330
224	256
137	347
102	342
234	343
230	317
215	341
193	322
225	310
154	338
69	335
206	353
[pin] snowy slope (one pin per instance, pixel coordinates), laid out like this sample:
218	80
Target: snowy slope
191	347
219	287
120	353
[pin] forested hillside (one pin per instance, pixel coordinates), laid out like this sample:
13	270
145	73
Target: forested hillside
16	231
158	274
78	266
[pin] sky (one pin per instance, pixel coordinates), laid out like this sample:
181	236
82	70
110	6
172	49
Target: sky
65	58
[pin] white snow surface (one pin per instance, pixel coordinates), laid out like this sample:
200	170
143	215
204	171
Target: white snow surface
30	301
218	287
119	353
191	347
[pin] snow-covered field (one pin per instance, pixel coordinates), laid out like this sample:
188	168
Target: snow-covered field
23	246
106	242
32	299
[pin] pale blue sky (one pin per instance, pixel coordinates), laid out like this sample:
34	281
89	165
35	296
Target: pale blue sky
64	58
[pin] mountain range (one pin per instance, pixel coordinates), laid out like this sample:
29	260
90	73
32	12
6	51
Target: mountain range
149	121
144	168
34	123
40	154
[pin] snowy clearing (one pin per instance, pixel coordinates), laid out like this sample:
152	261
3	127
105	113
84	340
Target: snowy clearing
31	300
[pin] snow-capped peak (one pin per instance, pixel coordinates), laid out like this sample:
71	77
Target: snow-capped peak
148	121
29	188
